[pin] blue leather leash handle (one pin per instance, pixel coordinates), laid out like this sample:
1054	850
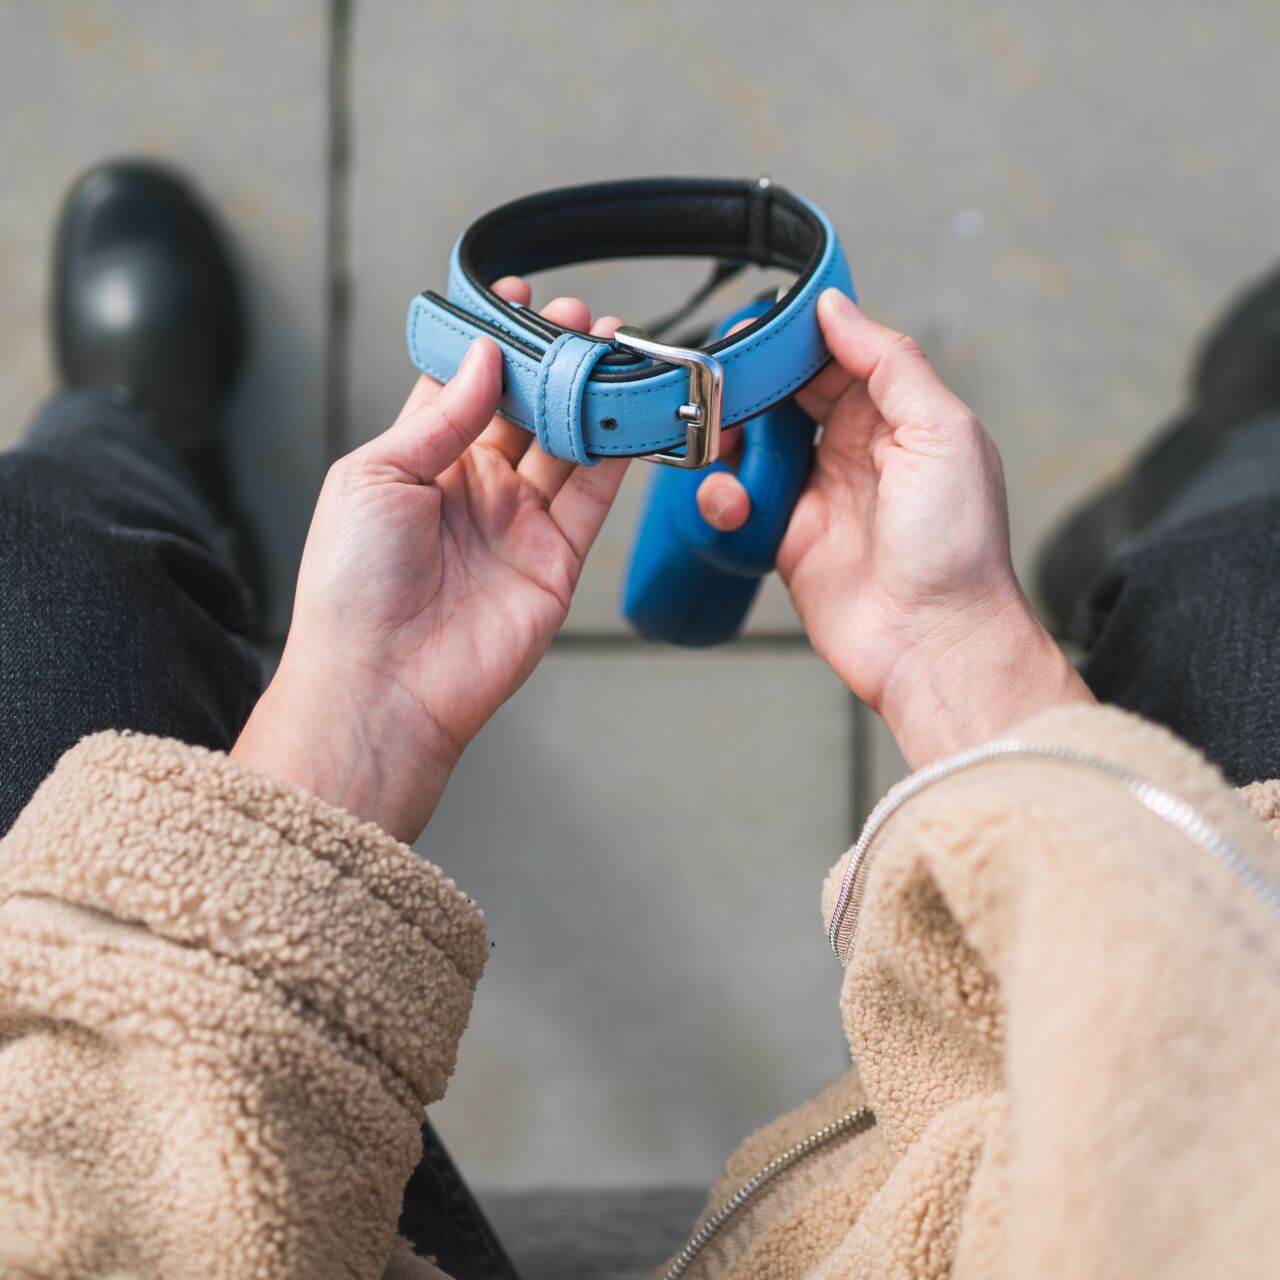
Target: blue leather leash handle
586	398
689	584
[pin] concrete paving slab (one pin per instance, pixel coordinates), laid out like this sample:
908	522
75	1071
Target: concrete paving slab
593	1235
235	95
647	836
1052	198
880	762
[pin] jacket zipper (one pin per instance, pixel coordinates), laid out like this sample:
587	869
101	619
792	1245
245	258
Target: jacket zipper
1164	804
852	1122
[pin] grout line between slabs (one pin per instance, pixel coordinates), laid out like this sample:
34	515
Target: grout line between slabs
337	263
338	355
614	641
861	747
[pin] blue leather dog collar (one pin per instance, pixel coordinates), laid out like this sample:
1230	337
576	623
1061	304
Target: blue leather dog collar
586	398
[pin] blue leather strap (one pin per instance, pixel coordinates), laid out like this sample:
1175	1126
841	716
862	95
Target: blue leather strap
557	397
585	399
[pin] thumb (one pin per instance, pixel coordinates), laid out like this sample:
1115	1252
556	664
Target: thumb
434	430
901	382
723	502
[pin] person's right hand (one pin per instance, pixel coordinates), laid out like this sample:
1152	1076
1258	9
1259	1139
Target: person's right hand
897	554
440	563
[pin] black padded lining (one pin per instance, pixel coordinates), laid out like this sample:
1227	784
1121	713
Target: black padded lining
645	218
731	219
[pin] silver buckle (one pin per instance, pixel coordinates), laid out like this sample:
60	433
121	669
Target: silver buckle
706	392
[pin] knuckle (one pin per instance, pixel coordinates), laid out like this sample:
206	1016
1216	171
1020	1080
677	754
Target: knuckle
335	479
995	461
966	429
443	422
344	476
592	485
905	348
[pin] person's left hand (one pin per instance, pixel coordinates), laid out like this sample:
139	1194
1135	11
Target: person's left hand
441	561
897	553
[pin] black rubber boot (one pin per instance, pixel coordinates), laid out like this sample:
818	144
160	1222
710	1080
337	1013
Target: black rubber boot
146	302
1236	378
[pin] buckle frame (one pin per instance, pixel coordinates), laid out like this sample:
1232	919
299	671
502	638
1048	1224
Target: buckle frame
702	411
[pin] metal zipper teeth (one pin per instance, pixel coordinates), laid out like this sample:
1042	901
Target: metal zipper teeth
1164	804
852	1122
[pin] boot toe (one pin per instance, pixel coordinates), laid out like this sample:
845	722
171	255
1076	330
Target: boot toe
145	295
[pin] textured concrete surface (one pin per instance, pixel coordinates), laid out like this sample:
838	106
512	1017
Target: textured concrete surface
1054	199
593	1235
648	837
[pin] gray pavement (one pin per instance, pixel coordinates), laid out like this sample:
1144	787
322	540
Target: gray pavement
1053	198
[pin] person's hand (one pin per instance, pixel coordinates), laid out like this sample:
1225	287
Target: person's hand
440	563
897	554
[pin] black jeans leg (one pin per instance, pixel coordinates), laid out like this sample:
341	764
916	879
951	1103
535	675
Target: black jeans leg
120	607
1183	626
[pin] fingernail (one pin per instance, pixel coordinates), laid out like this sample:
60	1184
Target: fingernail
838	305
470	358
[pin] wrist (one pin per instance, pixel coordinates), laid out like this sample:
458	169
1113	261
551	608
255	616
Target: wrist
372	755
966	682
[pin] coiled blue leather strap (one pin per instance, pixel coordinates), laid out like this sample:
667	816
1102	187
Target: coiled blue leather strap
585	399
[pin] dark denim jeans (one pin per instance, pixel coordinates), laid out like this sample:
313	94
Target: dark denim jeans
120	606
1183	623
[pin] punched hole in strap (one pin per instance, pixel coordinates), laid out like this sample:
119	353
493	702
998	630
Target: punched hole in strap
558	393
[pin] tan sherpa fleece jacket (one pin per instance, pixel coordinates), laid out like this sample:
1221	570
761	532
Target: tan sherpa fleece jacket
1066	1017
223	1004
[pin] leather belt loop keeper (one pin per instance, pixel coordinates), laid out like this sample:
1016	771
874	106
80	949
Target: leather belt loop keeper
562	375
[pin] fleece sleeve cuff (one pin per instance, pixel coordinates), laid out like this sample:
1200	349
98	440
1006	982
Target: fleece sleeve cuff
208	853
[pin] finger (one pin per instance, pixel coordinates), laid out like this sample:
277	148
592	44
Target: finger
732	440
568	313
513	289
818	396
723	502
507	438
424	389
584	500
606	326
547	474
900	381
426	440
510	440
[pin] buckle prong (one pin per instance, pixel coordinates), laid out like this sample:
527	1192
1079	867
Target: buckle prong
706	395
